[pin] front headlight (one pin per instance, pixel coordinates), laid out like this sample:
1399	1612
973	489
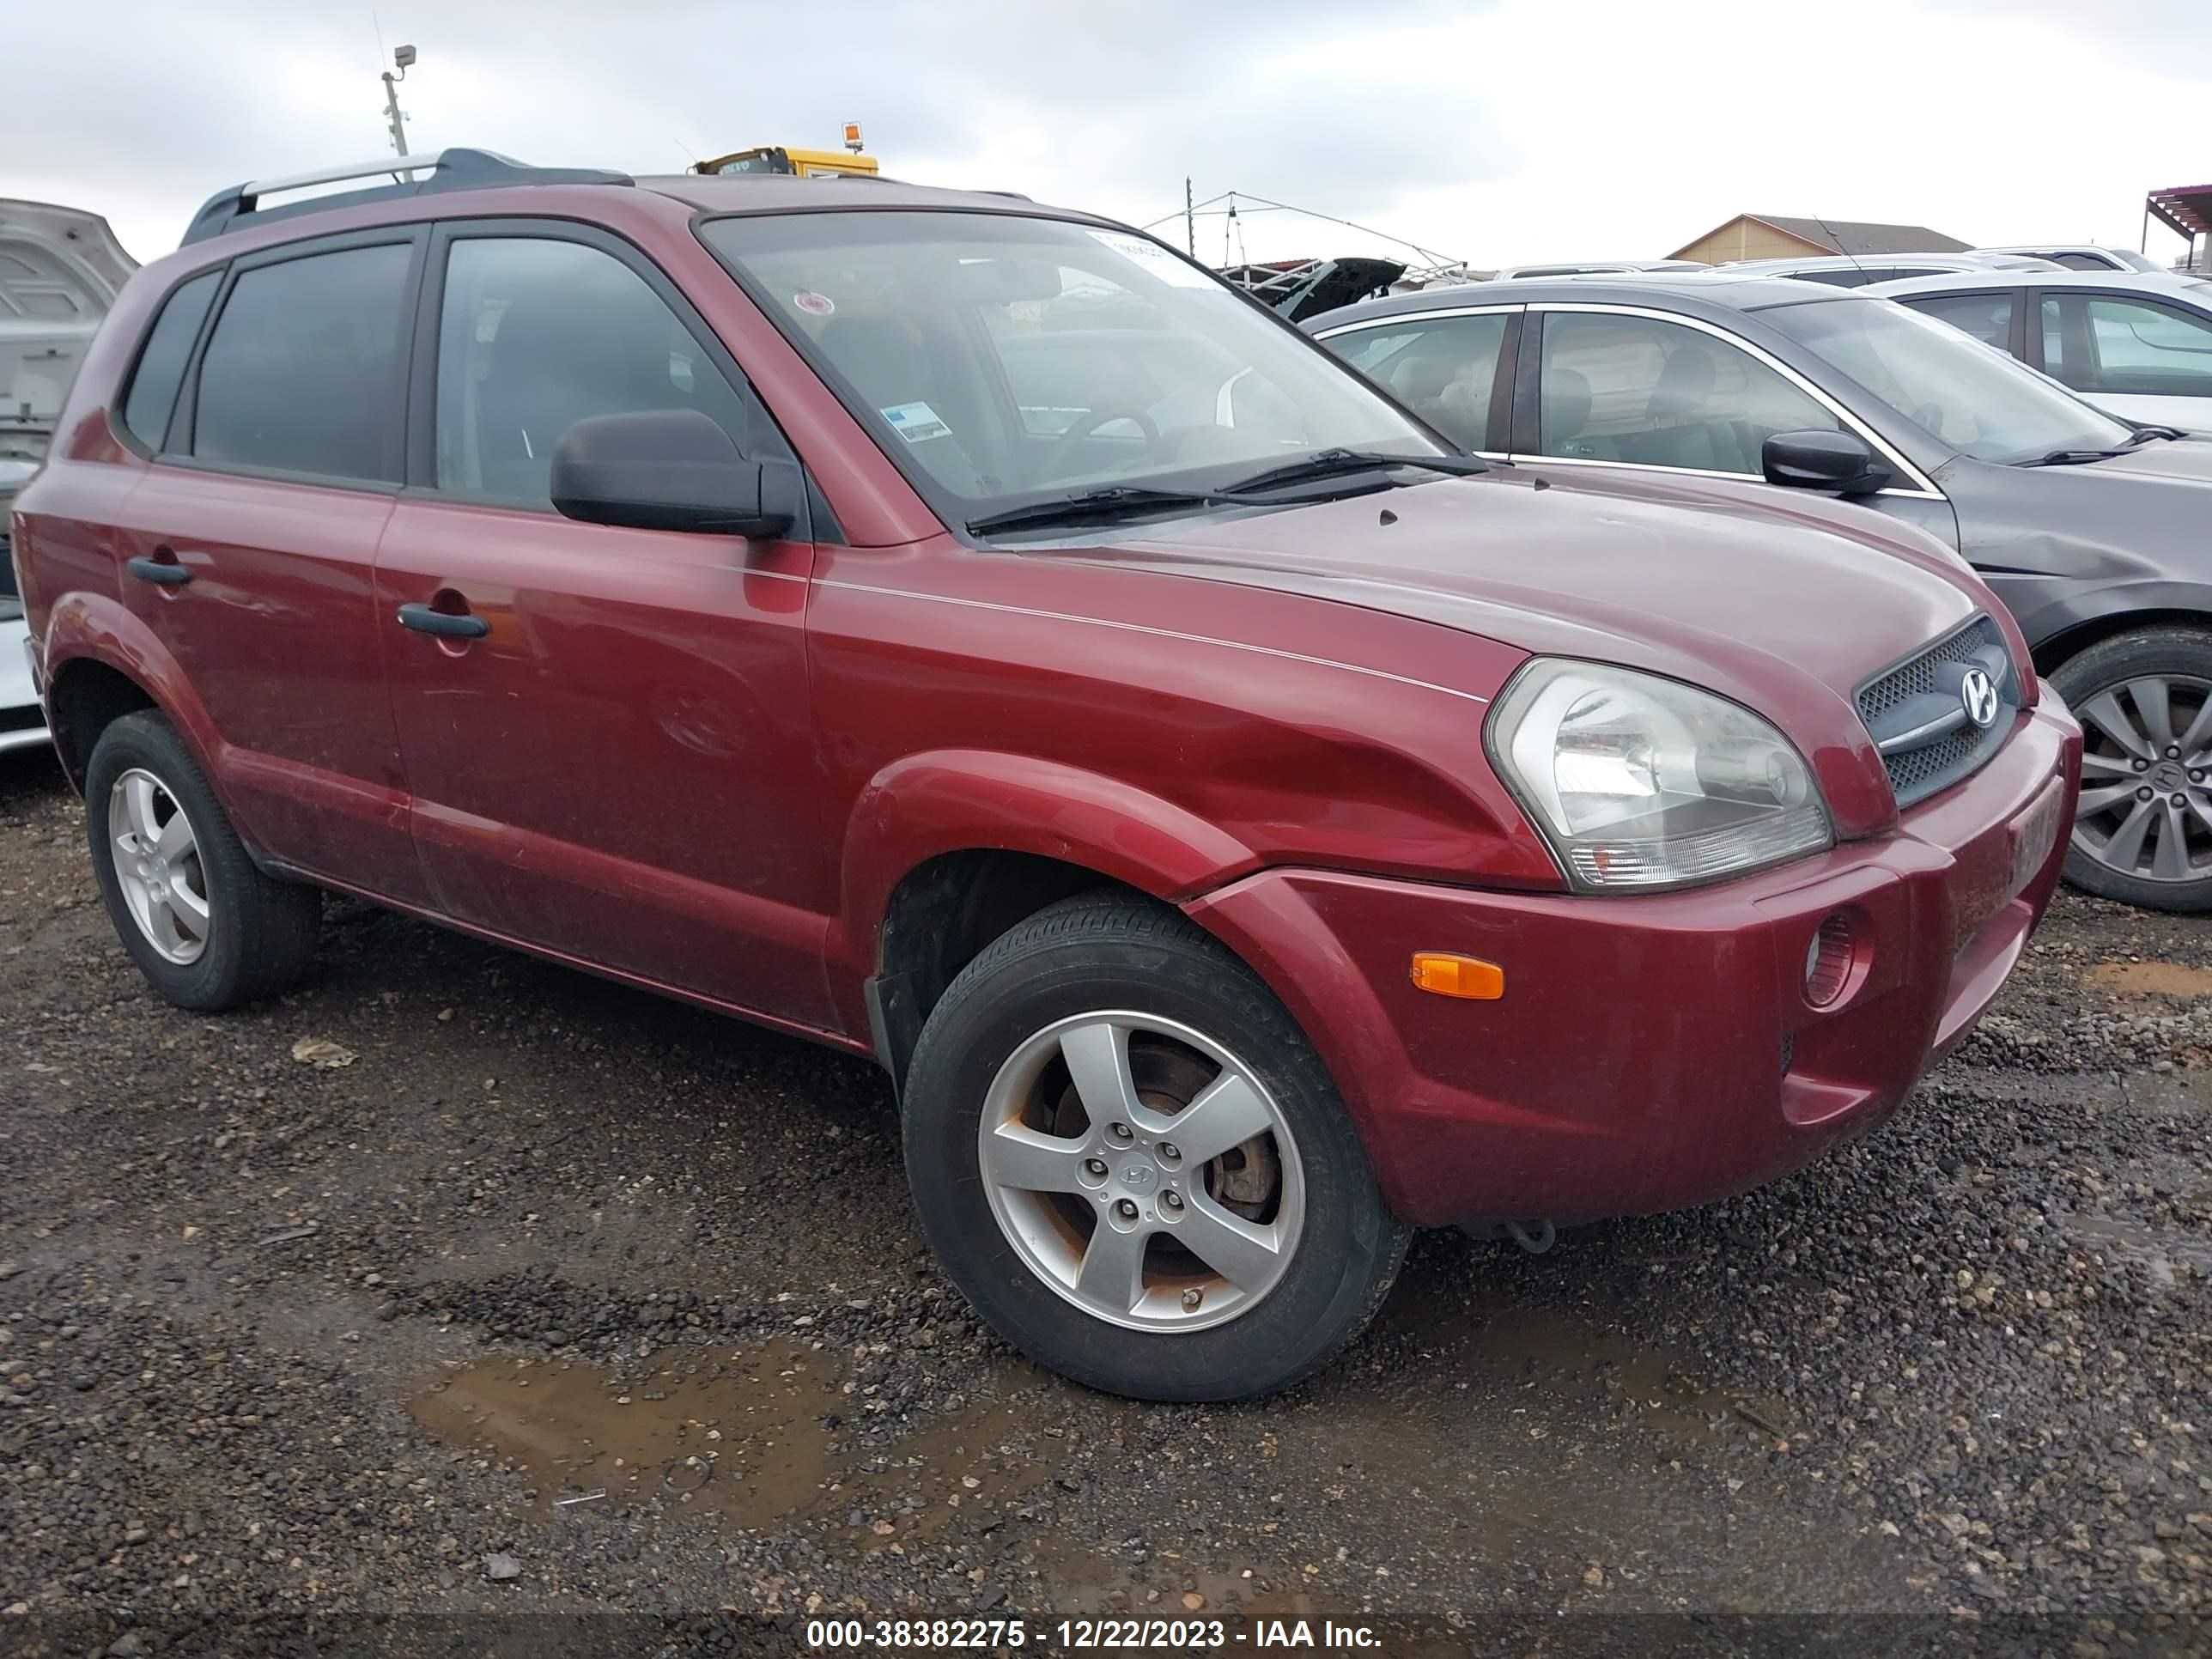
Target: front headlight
1640	783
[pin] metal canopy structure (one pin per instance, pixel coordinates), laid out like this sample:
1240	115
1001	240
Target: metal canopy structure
2185	211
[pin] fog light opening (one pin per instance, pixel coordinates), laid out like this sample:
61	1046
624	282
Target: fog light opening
1828	958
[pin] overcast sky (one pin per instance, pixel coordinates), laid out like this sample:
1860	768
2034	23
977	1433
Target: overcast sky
1493	130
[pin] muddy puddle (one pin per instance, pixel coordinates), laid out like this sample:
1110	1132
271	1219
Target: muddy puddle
752	1434
2132	980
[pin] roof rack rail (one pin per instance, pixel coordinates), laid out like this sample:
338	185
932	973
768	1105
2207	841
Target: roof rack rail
240	207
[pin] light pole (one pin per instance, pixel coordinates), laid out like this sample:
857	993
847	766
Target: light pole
403	58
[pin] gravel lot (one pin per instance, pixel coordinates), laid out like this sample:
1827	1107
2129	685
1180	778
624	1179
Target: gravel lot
290	1346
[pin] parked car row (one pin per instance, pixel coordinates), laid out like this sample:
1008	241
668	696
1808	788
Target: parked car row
1248	813
2089	527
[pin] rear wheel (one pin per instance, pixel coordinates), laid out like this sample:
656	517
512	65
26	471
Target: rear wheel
2143	833
204	925
1132	1163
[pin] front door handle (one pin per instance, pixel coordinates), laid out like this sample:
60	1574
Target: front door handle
166	572
425	620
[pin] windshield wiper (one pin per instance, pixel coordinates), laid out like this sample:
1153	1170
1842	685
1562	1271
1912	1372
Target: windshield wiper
2072	457
1327	463
1088	507
2145	434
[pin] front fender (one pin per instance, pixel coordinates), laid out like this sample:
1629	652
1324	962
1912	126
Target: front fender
2047	622
95	627
960	799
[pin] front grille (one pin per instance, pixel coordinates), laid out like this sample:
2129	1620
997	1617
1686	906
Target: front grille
1918	717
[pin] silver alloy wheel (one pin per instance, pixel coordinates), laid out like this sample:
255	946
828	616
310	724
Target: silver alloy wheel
2146	808
1142	1171
158	866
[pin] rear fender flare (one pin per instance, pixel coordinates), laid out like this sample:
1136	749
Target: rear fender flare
95	627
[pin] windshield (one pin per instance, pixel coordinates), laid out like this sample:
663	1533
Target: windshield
1961	393
1002	361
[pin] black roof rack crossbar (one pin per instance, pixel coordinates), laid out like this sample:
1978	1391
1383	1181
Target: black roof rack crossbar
240	207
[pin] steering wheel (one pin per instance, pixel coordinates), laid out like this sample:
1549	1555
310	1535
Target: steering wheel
1089	423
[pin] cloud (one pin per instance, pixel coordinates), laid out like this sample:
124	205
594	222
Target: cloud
1503	130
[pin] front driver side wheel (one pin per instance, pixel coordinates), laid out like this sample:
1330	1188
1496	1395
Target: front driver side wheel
1132	1163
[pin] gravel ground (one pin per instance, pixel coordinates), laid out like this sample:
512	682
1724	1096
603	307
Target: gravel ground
307	1352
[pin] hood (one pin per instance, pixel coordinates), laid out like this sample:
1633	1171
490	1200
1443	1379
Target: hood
59	264
60	269
1703	582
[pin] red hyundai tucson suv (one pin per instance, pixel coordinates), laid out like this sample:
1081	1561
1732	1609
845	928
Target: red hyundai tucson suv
969	634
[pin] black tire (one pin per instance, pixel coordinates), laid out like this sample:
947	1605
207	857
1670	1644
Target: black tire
1104	951
2104	669
261	931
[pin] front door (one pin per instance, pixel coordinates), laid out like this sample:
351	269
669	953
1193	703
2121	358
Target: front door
1623	388
2144	359
619	767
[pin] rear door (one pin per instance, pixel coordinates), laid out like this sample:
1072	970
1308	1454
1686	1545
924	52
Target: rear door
1453	368
620	767
269	397
2143	359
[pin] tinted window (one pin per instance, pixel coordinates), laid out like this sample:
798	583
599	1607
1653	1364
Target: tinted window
1833	275
1617	388
1987	316
536	334
1898	273
162	365
1443	368
2096	342
302	372
2082	261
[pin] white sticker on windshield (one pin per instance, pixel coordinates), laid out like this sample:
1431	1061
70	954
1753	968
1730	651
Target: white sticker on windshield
1154	258
916	423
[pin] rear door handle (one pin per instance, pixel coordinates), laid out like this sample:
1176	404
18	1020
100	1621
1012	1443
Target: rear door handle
424	620
166	573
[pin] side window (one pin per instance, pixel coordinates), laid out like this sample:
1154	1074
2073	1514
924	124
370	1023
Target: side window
535	334
1444	369
161	371
1900	272
2082	261
1833	275
1636	389
302	373
2099	343
1987	316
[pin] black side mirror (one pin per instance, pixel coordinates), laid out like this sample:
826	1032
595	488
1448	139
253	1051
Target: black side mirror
670	468
1818	459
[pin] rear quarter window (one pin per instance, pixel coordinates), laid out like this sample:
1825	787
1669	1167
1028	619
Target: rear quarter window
152	394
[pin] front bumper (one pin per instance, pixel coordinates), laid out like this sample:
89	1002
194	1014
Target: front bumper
1655	1052
22	722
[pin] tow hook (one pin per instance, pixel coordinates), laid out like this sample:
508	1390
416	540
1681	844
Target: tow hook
1534	1236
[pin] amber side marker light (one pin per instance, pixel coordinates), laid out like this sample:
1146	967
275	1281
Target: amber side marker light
1449	976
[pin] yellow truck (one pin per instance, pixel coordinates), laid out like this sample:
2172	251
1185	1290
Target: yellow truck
849	162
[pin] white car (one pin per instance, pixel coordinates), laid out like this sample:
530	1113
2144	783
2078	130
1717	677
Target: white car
2084	255
60	269
1864	270
1597	268
2138	345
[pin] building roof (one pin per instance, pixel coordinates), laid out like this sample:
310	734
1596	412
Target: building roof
1852	235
